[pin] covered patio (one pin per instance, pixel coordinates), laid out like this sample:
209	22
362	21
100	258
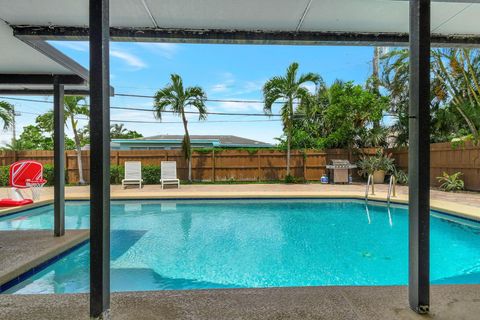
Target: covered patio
416	23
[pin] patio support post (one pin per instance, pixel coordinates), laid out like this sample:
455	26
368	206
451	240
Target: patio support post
419	157
58	158
99	36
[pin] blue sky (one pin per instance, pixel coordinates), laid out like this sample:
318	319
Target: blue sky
224	71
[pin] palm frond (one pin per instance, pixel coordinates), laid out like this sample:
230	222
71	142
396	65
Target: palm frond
6	114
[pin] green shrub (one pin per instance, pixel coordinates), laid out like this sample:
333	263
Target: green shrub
151	174
4	176
48	174
290	179
116	174
401	176
451	182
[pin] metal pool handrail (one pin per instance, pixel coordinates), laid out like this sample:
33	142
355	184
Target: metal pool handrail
367	187
391	186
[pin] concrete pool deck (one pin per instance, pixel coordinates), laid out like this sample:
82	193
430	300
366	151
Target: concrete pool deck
448	302
329	303
20	251
465	204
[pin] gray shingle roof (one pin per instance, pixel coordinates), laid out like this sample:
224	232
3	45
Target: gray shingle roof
224	139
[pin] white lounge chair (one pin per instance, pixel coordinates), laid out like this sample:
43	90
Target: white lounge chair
168	173
133	174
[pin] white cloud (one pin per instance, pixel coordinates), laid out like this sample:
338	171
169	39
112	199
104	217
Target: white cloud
167	50
225	85
229	106
128	58
219	87
81	46
251	86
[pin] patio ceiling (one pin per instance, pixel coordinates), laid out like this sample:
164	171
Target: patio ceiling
30	67
249	21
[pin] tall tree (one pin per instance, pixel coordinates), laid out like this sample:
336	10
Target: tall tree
176	98
288	89
6	114
74	106
457	72
118	131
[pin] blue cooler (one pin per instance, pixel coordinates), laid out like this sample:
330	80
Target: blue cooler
324	179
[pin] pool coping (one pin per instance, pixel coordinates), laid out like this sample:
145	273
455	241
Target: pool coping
446	207
44	258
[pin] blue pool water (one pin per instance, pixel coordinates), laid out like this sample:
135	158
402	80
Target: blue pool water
196	244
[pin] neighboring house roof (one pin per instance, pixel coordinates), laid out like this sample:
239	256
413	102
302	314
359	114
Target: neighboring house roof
216	140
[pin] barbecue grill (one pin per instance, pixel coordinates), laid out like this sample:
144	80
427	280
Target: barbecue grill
340	170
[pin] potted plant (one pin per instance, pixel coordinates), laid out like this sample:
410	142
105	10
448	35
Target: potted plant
377	166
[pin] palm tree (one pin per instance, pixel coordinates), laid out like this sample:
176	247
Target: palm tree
455	86
117	131
6	114
287	89
74	106
177	98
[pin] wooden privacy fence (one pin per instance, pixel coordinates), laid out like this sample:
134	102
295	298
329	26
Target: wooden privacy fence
223	165
445	158
264	165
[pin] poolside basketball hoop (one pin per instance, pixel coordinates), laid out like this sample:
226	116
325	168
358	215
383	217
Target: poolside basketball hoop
36	187
26	174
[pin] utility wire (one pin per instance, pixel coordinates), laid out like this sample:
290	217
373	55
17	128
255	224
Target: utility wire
165	122
186	112
129	95
167	111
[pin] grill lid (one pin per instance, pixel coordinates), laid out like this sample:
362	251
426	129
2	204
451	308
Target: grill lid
340	164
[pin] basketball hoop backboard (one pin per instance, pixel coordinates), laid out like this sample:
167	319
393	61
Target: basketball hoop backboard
24	171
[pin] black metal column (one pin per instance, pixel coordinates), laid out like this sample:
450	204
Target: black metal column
419	157
58	158
99	159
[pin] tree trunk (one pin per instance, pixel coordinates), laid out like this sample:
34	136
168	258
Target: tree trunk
78	148
289	132
190	169
188	153
288	154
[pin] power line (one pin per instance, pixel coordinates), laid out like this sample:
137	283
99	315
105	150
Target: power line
193	122
208	112
28	100
129	95
166	111
167	122
186	112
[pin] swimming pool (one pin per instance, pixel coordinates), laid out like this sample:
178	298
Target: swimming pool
199	244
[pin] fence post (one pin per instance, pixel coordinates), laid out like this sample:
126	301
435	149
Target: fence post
259	168
304	154
67	172
117	160
213	164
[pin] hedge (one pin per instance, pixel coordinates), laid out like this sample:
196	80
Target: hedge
150	174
